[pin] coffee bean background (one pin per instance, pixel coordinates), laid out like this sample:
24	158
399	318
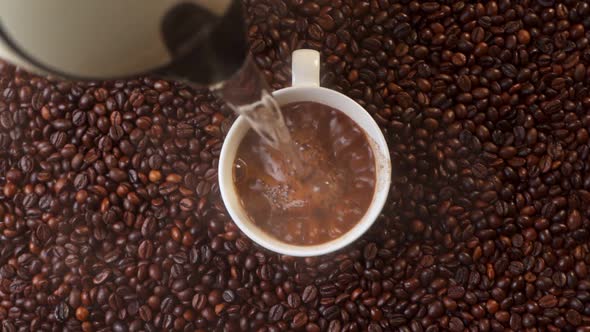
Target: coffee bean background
110	216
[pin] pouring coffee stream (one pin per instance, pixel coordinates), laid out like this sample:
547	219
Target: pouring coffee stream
249	95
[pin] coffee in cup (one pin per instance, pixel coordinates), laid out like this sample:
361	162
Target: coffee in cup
323	200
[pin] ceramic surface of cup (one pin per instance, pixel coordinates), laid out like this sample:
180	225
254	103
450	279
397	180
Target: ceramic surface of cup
306	89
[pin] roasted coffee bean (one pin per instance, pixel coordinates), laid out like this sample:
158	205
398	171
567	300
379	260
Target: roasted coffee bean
275	313
62	312
548	301
299	320
310	293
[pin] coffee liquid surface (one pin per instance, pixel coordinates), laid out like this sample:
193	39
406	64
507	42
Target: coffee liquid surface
325	200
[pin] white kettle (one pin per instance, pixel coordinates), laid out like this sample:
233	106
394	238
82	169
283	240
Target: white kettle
202	41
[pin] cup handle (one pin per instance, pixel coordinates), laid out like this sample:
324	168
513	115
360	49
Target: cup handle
305	68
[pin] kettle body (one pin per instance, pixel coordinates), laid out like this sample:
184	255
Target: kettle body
201	41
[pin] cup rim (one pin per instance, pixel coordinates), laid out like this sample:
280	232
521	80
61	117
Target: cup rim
382	164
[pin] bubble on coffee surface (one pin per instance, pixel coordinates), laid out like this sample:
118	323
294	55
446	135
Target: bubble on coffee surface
240	170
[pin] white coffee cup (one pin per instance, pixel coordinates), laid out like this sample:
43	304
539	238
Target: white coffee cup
306	81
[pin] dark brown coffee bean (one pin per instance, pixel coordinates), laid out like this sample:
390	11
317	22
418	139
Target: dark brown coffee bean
315	32
186	204
116	133
310	9
548	301
326	22
435	309
299	320
6	120
294	300
199	301
62	312
310	293
167	188
455	324
573	317
145	313
459	59
464	83
61	124
372	44
117	175
101	277
275	313
456	292
545	164
552	106
145	249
